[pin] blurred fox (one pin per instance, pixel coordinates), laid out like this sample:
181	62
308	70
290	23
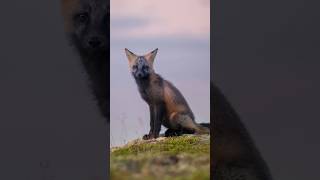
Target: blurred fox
166	104
234	153
86	23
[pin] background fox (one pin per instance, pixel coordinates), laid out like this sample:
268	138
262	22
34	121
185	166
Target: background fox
87	25
166	104
234	154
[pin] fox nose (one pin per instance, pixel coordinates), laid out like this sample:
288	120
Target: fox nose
95	42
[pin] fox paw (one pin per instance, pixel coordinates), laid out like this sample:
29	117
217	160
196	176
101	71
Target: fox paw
149	136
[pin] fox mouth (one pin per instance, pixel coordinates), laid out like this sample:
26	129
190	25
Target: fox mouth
141	75
101	49
94	52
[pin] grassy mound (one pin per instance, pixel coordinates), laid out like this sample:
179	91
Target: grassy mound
186	157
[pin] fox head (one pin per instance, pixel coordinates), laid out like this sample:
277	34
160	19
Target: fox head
141	66
87	21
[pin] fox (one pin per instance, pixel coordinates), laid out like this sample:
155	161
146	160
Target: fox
167	105
87	25
234	153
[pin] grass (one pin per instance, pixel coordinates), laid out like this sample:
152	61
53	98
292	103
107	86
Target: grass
176	158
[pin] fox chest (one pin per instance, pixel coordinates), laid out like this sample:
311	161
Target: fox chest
152	95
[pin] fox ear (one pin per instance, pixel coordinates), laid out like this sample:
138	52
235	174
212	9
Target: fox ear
130	55
151	56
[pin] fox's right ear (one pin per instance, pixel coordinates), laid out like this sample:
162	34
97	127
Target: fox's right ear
130	55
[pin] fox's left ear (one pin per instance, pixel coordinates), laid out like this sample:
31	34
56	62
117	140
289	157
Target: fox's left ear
151	56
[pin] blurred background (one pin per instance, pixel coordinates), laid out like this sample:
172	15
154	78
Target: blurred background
181	31
50	126
266	61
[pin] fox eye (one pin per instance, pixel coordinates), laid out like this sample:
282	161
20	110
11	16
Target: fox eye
83	17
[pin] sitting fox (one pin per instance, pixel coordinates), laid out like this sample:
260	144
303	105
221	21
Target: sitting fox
166	104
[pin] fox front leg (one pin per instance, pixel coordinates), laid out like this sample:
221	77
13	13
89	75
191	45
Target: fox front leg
148	136
156	116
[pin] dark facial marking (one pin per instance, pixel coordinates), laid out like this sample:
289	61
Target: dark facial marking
141	69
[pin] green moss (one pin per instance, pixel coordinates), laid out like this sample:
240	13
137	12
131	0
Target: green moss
172	145
185	157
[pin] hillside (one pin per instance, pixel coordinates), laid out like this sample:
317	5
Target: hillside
176	158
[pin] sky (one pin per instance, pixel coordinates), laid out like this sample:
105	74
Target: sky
181	31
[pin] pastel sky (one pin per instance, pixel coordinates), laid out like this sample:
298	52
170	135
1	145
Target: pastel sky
160	18
181	31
